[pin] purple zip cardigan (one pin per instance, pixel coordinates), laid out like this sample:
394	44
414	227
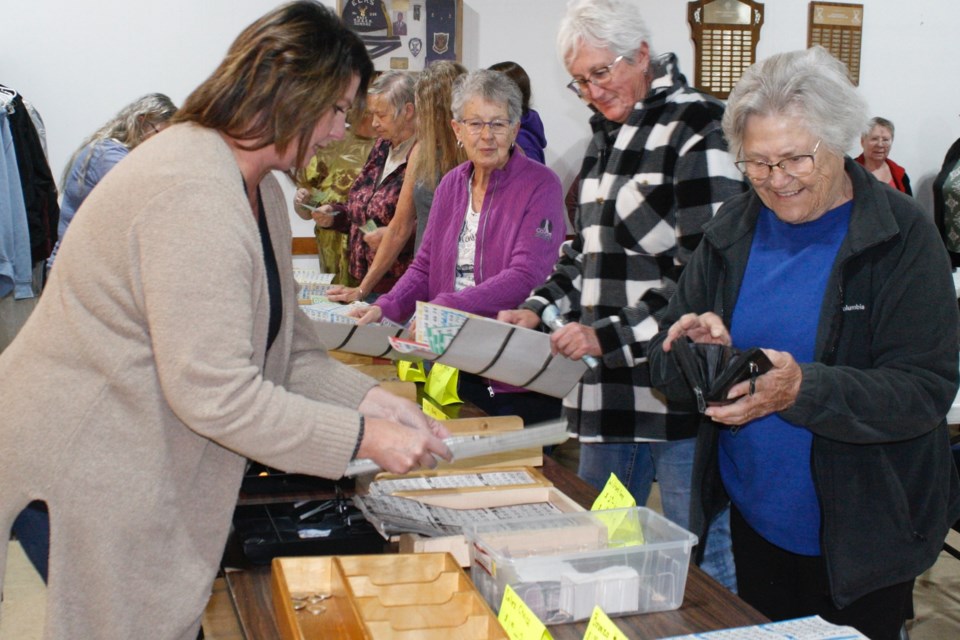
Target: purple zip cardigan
522	225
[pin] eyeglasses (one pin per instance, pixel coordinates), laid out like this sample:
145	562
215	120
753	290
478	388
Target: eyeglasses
796	166
153	128
598	77
498	128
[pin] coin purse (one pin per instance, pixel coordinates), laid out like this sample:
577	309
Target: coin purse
712	369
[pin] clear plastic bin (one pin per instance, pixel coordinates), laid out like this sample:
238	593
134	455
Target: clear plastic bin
562	566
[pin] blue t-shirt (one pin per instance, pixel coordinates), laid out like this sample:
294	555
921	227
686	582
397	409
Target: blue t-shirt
765	465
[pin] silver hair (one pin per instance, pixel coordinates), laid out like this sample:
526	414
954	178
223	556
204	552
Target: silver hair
616	25
397	87
492	86
877	121
809	84
129	127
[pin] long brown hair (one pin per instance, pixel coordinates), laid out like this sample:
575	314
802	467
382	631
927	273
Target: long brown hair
437	149
279	77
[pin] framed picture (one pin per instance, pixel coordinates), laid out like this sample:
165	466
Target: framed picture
406	34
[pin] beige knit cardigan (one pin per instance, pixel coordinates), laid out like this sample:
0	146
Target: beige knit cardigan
138	387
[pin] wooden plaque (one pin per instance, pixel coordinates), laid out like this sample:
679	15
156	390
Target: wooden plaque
838	28
725	35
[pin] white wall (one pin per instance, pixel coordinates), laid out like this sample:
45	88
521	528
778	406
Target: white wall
80	62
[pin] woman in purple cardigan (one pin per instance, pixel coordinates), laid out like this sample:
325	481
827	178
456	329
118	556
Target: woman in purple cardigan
494	232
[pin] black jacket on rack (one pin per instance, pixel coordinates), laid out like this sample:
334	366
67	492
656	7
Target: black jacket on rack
36	180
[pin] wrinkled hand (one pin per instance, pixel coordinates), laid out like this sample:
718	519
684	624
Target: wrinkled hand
300	199
519	317
340	293
374	238
324	217
398	436
774	391
706	327
575	340
366	314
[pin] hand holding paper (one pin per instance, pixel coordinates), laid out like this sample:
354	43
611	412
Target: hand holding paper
398	436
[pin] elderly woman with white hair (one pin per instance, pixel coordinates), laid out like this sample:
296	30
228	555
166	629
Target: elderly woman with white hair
373	198
655	171
836	461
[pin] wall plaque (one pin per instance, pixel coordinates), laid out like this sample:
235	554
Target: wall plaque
725	35
837	28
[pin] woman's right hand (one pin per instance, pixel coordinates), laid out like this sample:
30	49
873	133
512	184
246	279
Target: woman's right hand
520	317
324	216
366	315
705	327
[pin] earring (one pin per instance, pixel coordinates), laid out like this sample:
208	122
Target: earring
459	143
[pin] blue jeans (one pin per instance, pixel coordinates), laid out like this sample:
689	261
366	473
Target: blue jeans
636	464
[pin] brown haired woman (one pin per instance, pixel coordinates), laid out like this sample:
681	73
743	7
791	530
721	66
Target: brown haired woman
172	320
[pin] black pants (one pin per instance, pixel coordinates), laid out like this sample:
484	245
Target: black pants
783	585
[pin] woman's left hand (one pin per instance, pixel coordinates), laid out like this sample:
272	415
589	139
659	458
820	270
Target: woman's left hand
380	403
774	391
574	341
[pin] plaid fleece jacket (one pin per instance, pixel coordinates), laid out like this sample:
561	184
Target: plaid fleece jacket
646	189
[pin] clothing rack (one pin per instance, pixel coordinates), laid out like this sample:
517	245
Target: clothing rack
29	212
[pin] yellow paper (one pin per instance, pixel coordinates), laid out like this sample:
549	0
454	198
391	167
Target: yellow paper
623	526
601	627
441	384
614	496
518	620
433	410
411	371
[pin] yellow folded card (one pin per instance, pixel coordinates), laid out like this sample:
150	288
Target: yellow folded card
441	384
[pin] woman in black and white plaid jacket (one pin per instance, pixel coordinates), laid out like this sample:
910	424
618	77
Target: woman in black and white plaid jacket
655	171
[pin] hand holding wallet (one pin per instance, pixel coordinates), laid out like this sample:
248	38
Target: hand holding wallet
712	369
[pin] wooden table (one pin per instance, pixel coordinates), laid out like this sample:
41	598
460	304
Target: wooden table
706	604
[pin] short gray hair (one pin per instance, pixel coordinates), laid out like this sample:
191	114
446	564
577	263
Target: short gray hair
397	87
492	86
616	25
810	84
877	121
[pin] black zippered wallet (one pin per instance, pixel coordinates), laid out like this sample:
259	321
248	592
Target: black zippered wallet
712	369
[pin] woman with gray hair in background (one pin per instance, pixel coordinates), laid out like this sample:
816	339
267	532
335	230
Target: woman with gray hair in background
877	140
108	145
837	460
495	227
373	198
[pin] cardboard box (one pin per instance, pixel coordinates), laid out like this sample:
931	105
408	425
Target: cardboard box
381	597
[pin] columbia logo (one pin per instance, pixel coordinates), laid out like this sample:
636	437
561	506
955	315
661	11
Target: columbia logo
545	230
854	307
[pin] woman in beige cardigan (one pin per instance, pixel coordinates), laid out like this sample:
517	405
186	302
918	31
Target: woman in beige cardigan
167	347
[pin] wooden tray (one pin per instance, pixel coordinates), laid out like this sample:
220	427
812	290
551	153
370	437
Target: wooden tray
488	426
382	597
457	545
